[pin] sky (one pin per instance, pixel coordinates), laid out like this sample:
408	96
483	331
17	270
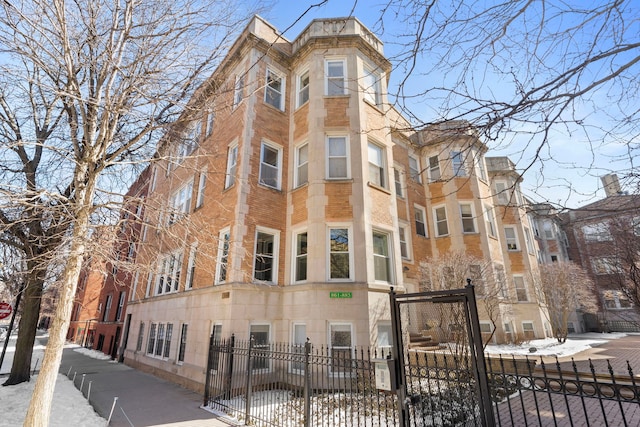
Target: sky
569	171
70	408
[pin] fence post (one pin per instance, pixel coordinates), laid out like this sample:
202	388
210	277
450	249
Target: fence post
229	374
248	384
398	356
207	379
307	384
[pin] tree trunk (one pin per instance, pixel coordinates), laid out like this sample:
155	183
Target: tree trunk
21	367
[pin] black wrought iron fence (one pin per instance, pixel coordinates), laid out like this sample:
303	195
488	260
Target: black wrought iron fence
299	385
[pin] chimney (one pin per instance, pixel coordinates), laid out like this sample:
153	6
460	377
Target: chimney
611	184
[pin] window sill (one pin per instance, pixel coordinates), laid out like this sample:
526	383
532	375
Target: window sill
377	106
339	180
266	187
280	110
377	187
344	95
306	184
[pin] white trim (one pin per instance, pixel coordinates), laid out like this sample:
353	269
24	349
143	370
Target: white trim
328	60
278	149
275	255
346	156
221	242
349	228
283	86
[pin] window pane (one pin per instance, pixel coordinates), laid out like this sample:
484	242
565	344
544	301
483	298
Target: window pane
264	257
339	253
381	261
301	257
269	167
303	95
303	158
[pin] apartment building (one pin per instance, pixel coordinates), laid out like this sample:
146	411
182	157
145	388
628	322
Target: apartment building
290	197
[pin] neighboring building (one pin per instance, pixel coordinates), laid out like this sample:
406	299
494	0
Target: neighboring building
307	198
604	238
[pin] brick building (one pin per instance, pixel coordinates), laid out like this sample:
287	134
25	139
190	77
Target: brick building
290	196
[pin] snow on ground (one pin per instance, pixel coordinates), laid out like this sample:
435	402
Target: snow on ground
551	346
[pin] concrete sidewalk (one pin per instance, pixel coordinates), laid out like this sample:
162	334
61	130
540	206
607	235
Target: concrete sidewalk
143	400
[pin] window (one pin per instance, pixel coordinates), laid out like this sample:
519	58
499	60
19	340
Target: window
123	295
202	183
502	192
486	330
615	299
397	177
159	340
183	342
521	289
154	179
381	257
508	333
377	166
131	251
385	335
341	342
152	339
528	330
335	83
635	224
260	336
300	263
434	168
554	258
210	122
107	308
299	341
512	239
169	269
140	337
238	90
414	168
270	161
190	140
491	221
266	265
216	335
181	202
440	218
501	280
223	256
232	159
337	158
274	90
371	87
482	170
457	163
598	232
420	216
404	245
529	240
303	88
134	288
302	165
191	266
167	341
548	230
339	256
605	265
475	274
468	218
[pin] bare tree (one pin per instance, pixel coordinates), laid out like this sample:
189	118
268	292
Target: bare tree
87	87
564	288
625	250
525	74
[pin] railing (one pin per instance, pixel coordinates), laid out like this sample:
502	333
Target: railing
299	385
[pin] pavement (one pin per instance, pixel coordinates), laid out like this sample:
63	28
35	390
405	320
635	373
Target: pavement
142	399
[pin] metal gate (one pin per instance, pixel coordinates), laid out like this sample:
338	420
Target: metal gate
440	368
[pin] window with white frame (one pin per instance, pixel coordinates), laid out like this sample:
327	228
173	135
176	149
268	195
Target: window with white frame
140	337
339	255
202	183
181	202
168	277
274	89
491	221
397	177
381	257
147	292
167	341
300	262
266	262
529	240
502	192
232	159
190	140
385	335
468	218
303	88
238	90
606	265
440	221
521	289
371	86
486	330
337	157
159	343
598	232
457	163
211	119
107	308
302	165
299	337
501	280
270	165
335	77
191	265
434	168
341	343
120	309
528	330
615	300
547	226
404	233
151	343
482	170
512	238
414	168
182	347
508	332
131	251
222	263
260	334
377	173
420	215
